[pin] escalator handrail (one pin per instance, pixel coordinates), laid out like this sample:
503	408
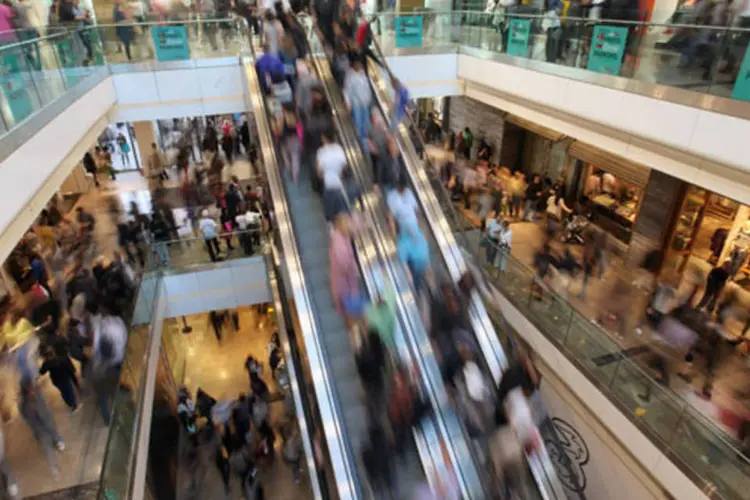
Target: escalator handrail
342	461
457	448
305	418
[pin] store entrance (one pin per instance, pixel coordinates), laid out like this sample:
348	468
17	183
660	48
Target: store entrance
709	231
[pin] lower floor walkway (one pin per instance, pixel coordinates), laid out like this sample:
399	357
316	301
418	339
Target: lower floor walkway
729	404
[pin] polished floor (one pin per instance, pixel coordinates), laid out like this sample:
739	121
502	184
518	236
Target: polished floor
219	369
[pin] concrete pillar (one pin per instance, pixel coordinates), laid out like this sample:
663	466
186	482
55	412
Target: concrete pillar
654	216
144	137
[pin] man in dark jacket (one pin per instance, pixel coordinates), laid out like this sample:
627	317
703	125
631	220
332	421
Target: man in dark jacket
717	278
533	194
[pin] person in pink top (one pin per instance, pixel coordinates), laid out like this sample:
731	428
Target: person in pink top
344	273
7	35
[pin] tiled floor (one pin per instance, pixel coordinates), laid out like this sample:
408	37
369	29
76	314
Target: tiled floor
730	391
219	369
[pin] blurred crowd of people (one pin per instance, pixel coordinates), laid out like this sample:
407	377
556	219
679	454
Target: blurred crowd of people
307	138
238	436
690	318
66	318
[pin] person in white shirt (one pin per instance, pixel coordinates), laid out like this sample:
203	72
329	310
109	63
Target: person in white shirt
110	339
500	236
359	98
209	229
403	206
556	206
331	161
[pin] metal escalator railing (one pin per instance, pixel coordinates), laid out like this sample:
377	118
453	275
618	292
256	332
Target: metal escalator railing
342	460
446	227
462	460
415	349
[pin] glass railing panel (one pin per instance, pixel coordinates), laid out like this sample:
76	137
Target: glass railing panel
118	460
703	59
181	253
710	457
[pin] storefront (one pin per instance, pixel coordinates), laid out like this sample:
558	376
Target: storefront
711	229
610	188
533	149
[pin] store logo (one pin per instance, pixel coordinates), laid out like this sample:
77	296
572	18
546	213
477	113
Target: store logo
569	455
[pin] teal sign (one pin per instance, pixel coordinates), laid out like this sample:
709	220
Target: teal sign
72	68
607	49
518	37
14	86
408	31
742	84
171	43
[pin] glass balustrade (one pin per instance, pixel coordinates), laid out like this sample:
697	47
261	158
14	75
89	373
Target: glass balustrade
57	68
706	59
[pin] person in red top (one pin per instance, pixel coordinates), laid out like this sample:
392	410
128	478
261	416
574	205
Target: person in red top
363	37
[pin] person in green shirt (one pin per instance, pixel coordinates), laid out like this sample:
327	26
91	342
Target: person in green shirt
380	316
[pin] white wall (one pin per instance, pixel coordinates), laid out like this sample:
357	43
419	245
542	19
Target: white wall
427	75
172	93
603	469
235	283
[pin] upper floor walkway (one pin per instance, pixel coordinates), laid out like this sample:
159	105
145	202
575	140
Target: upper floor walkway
630	89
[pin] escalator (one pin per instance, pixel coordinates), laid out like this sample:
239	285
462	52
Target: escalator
304	244
457	449
450	261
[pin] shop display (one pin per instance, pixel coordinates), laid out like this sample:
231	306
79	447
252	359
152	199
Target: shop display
613	203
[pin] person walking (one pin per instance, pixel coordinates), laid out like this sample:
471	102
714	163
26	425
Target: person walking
35	412
63	375
110	338
160	235
414	252
331	161
209	229
289	131
359	98
8	478
715	283
533	194
123	30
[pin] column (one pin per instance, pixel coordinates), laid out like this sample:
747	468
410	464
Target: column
144	137
654	216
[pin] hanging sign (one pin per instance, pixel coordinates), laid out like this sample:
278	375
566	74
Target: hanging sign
607	49
742	84
408	31
171	43
518	37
